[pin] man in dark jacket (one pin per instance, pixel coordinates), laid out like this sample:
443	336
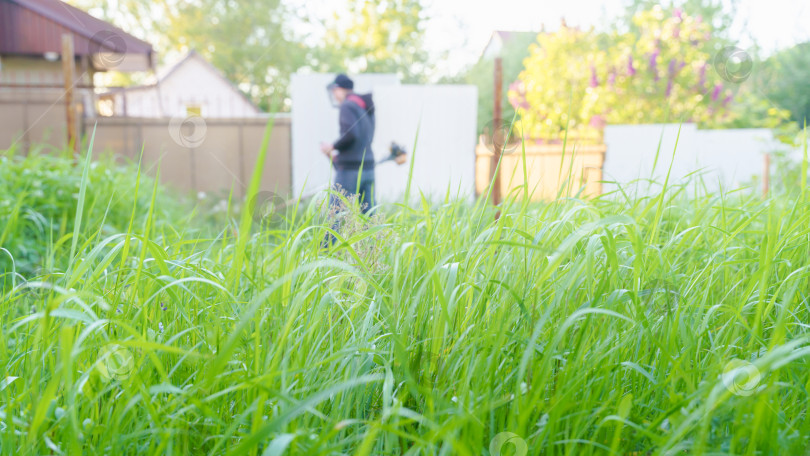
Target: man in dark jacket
352	150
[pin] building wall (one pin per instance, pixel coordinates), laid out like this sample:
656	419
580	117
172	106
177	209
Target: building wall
41	83
23	70
191	85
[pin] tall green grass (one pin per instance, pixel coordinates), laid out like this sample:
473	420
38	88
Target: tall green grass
39	196
669	324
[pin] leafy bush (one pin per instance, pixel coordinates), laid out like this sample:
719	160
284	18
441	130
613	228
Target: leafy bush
39	198
785	80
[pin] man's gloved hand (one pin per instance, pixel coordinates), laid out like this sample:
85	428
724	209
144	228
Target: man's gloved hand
327	149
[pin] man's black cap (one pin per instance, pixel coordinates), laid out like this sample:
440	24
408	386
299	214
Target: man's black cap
342	81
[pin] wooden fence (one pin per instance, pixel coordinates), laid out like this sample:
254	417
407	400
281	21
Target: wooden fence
194	154
551	173
32	118
200	155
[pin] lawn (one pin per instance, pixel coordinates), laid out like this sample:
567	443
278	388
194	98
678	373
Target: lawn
135	323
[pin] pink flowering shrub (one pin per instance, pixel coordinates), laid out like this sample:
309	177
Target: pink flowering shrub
660	74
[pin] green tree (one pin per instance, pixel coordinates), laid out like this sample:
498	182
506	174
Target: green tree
140	18
717	14
247	41
377	37
143	19
784	79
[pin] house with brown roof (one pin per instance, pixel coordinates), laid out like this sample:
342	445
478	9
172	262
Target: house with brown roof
31	46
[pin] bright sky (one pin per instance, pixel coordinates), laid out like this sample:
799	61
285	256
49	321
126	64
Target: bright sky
464	26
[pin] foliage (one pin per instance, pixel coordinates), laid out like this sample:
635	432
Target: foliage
660	74
254	44
620	325
786	163
248	41
349	220
368	36
719	15
38	201
481	75
784	79
141	18
749	109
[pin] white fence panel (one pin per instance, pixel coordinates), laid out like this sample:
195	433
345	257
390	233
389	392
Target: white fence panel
315	120
443	115
724	158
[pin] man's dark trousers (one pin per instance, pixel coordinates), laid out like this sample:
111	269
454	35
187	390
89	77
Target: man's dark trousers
346	179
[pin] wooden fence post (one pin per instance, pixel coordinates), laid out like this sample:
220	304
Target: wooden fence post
69	71
495	173
766	175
